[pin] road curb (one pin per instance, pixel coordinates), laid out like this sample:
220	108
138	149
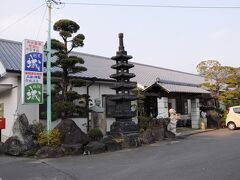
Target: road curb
184	135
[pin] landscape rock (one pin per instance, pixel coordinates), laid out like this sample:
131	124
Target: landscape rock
131	140
21	127
70	133
49	152
111	144
147	137
158	133
95	147
13	146
22	141
72	149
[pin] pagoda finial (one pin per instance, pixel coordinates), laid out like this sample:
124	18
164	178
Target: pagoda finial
121	47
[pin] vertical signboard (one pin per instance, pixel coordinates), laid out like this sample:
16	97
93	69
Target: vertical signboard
32	72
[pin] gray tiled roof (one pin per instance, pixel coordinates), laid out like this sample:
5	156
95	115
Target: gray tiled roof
99	67
11	54
182	88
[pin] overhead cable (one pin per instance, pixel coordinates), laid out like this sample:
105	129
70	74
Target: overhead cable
153	6
20	19
44	14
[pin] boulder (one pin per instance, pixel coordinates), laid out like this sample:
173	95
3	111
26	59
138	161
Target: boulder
111	144
49	152
21	127
159	129
22	141
70	133
72	149
147	137
13	146
131	140
158	133
95	147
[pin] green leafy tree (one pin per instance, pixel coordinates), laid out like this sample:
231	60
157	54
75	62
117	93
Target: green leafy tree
222	81
213	73
231	93
65	67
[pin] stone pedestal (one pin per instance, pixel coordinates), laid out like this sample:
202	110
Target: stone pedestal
98	120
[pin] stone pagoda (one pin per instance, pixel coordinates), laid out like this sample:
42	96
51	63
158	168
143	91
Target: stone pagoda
123	97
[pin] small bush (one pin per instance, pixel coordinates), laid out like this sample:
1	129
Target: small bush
223	115
51	139
36	128
141	131
144	122
95	134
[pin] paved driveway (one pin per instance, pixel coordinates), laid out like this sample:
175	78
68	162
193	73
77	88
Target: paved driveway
207	156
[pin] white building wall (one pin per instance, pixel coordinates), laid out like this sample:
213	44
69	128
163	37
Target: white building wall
12	104
10	100
195	113
162	104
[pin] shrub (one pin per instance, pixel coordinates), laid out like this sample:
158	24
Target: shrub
95	134
141	131
36	128
49	139
143	122
223	115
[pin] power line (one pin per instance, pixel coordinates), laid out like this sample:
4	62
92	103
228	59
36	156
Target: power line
41	22
20	19
152	6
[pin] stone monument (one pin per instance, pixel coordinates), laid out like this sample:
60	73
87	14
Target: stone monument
123	97
98	119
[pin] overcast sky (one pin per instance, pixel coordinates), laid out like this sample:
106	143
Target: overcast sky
166	37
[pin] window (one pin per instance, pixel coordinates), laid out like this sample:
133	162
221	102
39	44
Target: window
185	105
110	106
236	110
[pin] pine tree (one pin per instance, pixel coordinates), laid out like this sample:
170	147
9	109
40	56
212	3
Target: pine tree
65	67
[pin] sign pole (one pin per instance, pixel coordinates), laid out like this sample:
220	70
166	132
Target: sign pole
49	108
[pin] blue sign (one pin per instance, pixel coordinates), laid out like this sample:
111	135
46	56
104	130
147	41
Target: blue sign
33	62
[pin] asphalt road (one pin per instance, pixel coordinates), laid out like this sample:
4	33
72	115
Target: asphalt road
207	156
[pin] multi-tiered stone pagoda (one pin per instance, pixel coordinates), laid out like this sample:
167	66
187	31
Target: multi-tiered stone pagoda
123	97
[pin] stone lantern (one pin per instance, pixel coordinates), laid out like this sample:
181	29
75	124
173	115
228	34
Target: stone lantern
123	97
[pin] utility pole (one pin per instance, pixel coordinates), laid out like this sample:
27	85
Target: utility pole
49	85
